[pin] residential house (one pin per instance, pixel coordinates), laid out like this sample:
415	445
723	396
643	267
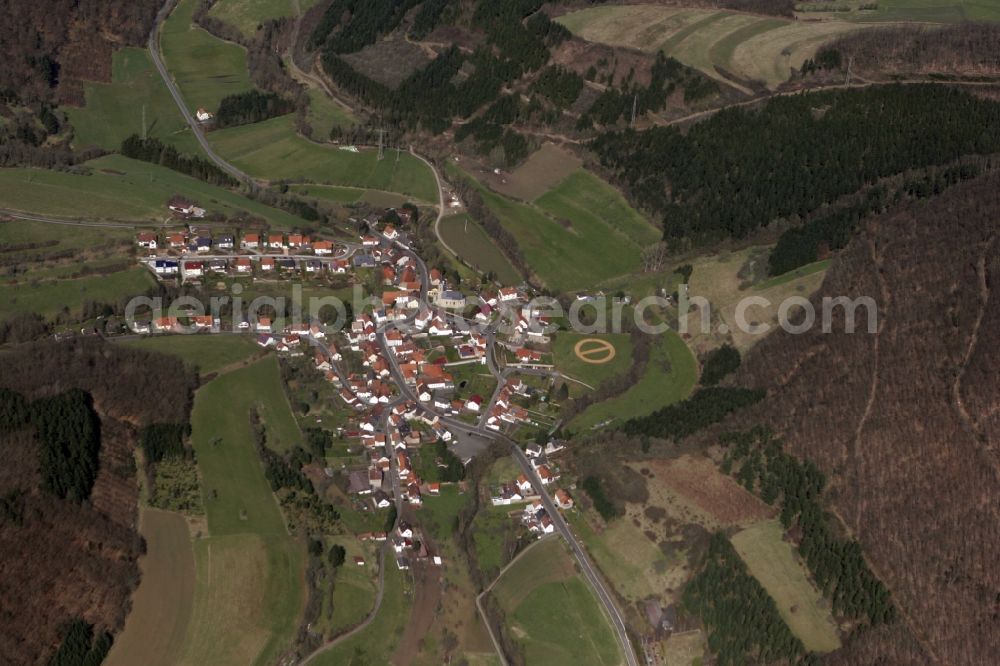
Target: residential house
146	239
250	241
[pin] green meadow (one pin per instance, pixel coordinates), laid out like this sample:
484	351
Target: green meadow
468	238
552	613
249	592
118	188
205	68
114	111
207	353
272	149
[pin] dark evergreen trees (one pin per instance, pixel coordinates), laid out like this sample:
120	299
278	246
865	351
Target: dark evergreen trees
706	406
163	440
153	150
718	364
69	433
249	107
741	169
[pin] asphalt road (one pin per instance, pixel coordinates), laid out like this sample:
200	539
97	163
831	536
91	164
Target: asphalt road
154	52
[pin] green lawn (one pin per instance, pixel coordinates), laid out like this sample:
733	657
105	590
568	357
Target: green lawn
670	376
249	592
794	274
273	150
575	254
353	587
208	353
469	240
48	297
119	188
329	192
114	111
205	68
552	612
238	498
772	561
438	514
376	643
324	114
570	364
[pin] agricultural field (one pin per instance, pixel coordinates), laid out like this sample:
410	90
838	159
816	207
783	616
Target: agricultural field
750	47
543	170
249	591
248	599
631	562
693	490
161	605
552	612
773	562
121	189
272	149
376	642
353	195
564	351
566	246
246	15
324	114
466	237
208	353
670	376
114	111
205	67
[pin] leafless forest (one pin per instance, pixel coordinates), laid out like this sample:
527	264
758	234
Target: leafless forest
906	422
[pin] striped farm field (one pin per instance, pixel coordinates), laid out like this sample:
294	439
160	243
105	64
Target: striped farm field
746	46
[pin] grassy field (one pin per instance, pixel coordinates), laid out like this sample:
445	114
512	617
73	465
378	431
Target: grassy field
324	115
772	561
633	564
566	245
246	15
248	599
750	47
552	612
470	241
591	373
723	280
249	591
542	170
114	111
208	353
376	643
272	149
161	605
48	297
354	586
119	188
670	376
205	68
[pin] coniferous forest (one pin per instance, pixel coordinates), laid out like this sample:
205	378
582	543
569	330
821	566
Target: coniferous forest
742	169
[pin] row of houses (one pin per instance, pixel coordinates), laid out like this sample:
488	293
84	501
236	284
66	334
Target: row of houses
203	242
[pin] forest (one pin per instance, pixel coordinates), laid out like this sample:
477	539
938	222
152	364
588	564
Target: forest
70	436
249	107
743	622
756	459
718	364
742	169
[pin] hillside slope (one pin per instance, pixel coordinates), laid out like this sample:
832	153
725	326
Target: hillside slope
60	560
906	422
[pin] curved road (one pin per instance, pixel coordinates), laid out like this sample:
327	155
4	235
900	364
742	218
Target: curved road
154	52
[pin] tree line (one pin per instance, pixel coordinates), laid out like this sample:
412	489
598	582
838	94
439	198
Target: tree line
156	152
755	458
742	169
707	406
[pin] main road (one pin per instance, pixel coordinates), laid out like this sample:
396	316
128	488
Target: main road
154	52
